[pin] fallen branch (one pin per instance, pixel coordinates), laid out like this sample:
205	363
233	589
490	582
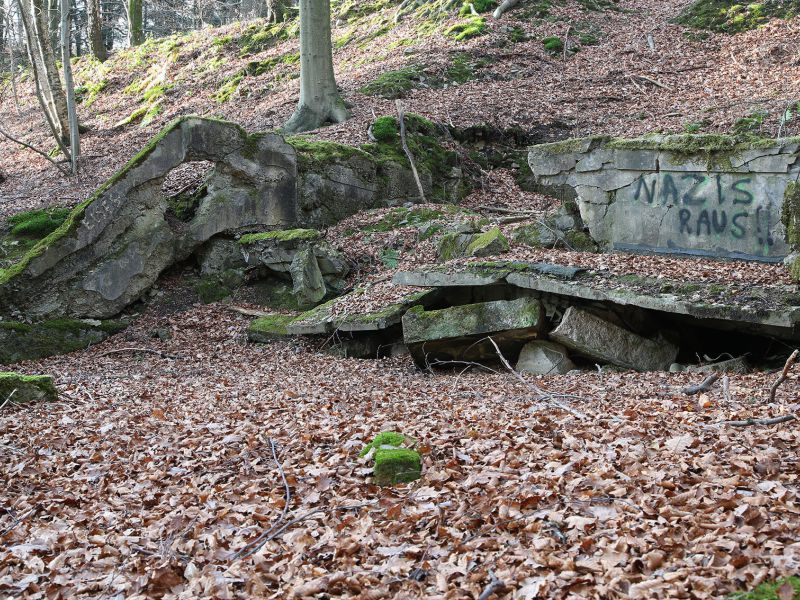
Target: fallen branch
144	350
494	584
402	118
704	386
543	395
653	81
504	211
250	312
749	422
39	152
784	374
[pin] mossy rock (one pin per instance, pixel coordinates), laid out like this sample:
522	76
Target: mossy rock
726	16
23	341
213	288
269	328
580	241
488	244
26	388
397	465
536	235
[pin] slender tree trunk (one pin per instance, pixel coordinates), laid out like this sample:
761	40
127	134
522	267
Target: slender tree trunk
74	137
95	30
43	64
274	11
320	102
135	22
2	28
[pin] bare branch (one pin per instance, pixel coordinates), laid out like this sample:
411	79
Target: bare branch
704	386
29	147
749	422
784	374
490	589
402	118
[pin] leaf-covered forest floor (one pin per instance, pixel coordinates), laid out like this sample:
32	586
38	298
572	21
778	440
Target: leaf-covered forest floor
156	468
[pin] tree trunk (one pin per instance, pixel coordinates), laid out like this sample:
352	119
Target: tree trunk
320	102
74	139
135	23
43	64
274	10
95	30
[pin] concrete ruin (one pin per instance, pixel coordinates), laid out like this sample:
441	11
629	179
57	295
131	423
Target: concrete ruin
696	195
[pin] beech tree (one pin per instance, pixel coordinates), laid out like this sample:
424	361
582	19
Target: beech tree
135	22
320	101
94	21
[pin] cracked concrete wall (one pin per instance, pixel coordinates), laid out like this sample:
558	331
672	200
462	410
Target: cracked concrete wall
661	198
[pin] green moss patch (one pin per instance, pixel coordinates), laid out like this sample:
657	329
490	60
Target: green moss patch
769	590
725	16
26	388
394	84
385	438
488	243
472	27
37	223
269	328
553	44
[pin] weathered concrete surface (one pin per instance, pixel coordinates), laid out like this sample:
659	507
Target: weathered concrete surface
26	388
697	195
601	340
458	332
541	357
115	245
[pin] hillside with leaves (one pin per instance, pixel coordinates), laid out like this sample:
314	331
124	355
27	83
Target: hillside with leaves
182	461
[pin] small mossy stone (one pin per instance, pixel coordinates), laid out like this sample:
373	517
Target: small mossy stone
385	438
580	241
23	341
488	244
396	465
26	388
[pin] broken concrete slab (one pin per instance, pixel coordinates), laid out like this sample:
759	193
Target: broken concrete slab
460	332
19	388
603	341
541	357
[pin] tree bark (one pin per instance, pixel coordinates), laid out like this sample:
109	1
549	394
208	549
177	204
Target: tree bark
95	30
320	102
274	10
43	64
135	23
74	139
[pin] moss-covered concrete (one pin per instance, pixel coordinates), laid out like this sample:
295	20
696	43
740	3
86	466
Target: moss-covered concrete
488	243
26	388
24	341
397	465
269	328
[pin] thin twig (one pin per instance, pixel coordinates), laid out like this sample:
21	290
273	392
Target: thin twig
7	400
145	350
505	211
494	584
653	81
543	394
250	312
704	386
784	374
402	118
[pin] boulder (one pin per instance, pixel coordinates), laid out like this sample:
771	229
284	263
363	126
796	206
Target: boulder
26	388
490	243
544	358
220	255
459	332
308	284
591	336
24	341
